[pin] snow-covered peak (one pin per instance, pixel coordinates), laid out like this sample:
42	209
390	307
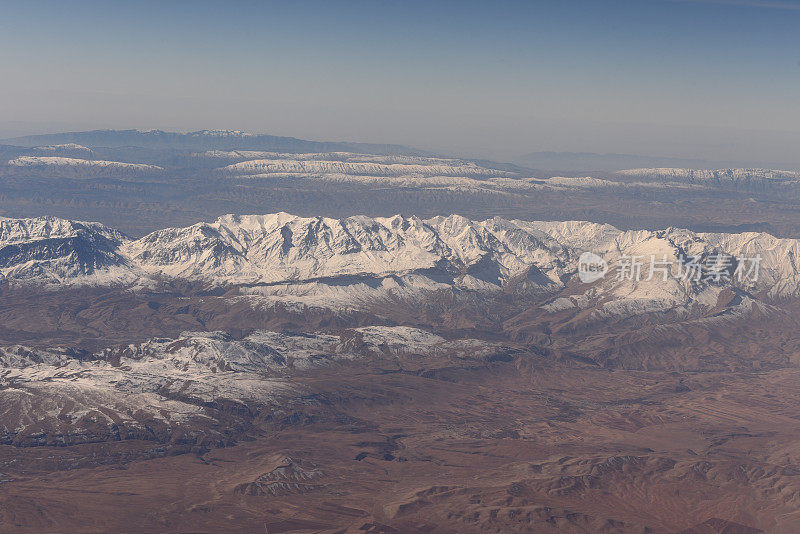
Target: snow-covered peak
27	230
49	250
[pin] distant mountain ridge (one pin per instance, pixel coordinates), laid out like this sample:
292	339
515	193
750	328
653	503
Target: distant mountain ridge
62	162
712	176
204	140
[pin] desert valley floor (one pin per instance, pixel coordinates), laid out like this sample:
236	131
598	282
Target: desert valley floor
525	445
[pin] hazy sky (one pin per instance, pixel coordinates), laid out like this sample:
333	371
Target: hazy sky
715	79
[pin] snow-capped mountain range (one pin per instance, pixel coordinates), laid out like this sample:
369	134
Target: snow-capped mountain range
65	150
719	176
174	382
318	260
407	170
75	163
290	166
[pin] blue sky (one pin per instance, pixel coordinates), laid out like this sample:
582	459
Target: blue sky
713	79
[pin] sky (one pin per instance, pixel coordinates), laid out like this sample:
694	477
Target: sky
709	79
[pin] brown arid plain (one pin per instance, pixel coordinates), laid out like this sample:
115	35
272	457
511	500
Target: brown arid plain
672	426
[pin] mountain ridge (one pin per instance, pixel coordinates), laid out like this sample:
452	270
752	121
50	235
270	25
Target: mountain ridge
323	261
204	140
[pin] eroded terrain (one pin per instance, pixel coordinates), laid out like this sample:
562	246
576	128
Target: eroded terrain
402	373
403	445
